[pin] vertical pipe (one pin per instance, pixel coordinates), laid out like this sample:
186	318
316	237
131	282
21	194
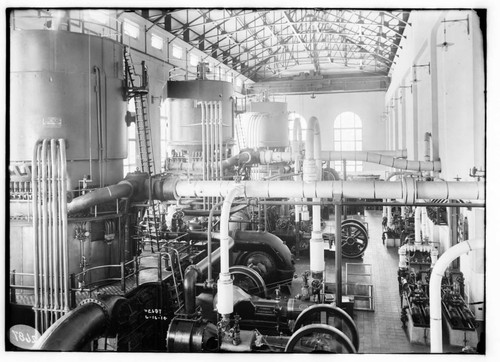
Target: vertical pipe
418	225
225	283
338	253
100	147
209	241
202	110
212	144
203	152
122	276
50	240
312	168
55	218
64	222
435	289
44	235
296	144
427	146
221	135
59	184
36	235
216	141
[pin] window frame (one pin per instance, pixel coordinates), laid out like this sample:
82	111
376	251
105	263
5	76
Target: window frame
348	130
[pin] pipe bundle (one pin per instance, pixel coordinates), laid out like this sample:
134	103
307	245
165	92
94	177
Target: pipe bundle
51	275
212	137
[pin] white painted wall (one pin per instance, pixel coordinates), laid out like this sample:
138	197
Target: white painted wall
326	107
449	103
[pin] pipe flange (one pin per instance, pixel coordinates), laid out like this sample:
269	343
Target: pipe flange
101	304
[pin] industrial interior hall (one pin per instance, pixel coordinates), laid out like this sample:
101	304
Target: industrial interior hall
216	180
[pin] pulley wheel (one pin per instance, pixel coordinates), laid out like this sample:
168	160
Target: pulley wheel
249	280
354	240
319	338
329	315
363	226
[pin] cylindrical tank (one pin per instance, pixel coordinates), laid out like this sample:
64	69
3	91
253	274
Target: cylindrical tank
69	85
266	125
184	115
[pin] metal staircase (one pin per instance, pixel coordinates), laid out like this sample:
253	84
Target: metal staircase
143	129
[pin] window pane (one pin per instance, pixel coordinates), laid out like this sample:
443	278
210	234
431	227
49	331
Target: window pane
131	152
337	146
193	60
131	131
348	135
348	146
359	146
176	51
131	29
336	135
156	42
358	134
356	122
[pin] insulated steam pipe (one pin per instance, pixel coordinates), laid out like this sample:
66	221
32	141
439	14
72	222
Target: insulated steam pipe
407	189
435	288
380	159
225	283
123	189
296	142
312	173
79	327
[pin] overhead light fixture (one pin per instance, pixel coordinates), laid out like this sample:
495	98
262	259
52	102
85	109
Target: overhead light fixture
445	44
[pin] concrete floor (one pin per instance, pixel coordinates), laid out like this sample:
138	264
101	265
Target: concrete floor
380	330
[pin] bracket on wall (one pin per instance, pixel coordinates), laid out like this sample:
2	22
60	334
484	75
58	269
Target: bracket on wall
415	66
407	86
458	20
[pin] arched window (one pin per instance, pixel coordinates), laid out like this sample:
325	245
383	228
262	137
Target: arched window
348	136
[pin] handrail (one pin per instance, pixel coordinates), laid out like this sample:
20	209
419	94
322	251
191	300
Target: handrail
92	286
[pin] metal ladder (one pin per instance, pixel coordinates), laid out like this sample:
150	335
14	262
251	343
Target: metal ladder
143	129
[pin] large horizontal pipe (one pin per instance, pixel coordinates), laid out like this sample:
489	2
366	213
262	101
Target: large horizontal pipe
79	327
380	159
264	157
100	196
407	189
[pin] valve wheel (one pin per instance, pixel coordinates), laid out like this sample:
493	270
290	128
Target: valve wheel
354	239
325	314
319	338
249	280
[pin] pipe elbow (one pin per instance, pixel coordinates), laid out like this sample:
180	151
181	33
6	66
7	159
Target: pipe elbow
190	278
